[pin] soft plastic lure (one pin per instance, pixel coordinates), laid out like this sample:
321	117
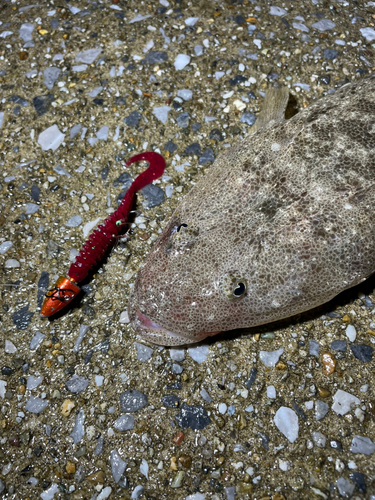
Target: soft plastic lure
99	242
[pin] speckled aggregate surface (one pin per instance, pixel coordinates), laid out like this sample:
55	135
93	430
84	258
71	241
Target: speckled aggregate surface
86	411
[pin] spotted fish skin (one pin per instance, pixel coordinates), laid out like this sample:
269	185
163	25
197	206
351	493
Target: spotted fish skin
289	212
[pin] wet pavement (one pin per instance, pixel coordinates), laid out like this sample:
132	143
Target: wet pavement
87	409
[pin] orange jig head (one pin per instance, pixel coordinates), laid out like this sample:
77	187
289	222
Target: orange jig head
64	291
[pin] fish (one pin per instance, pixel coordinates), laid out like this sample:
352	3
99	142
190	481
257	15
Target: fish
283	222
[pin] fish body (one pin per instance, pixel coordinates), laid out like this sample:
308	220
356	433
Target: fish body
282	222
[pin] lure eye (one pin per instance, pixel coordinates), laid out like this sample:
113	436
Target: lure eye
233	285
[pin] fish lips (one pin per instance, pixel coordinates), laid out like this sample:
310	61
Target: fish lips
152	332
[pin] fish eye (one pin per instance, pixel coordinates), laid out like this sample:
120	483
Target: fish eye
180	226
233	285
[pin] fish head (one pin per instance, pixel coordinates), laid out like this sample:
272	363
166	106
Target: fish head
190	286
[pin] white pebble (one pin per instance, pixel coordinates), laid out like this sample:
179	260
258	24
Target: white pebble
181	61
351	333
4	247
11	263
10	348
222	408
286	421
124	317
51	138
271	392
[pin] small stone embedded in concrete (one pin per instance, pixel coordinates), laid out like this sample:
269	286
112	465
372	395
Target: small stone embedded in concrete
270	358
143	468
177	354
33	382
252	376
185	94
345	487
368	33
78	429
83	329
77	384
137	493
170	401
170	146
339	345
286	421
50	492
132	401
74	221
343	401
88	56
199	353
51	138
362	444
22	317
277	11
207	157
31	208
181	61
50	76
154	195
124	423
155	57
133	119
351	333
321	409
362	352
75	130
271	392
319	439
204	394
36	341
124	318
194	417
4	247
313	348
42	103
248	118
9	347
105	493
330	54
11	264
36	405
61	171
183	120
193	149
25	32
144	353
324	25
118	465
359	480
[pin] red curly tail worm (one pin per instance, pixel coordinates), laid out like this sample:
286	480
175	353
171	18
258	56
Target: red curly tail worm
94	249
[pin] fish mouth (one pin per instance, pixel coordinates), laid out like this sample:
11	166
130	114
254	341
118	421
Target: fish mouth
151	331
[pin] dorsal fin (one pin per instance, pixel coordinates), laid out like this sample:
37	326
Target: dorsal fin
275	104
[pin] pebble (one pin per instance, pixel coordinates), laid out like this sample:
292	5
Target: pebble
3	385
277	11
177	354
204	394
207	157
330	54
143	468
324	25
319	439
33	382
313	348
362	352
137	493
124	423
22	317
270	358
51	138
345	487
50	492
286	421
193	149
78	429
271	392
342	402
321	409
67	407
368	33
199	353
132	401
171	401
77	384
181	61
359	481
4	247
194	417
155	57
351	333
154	195
178	479
88	56
361	444
161	113
74	221
133	119
9	347
329	363
11	264
118	465
105	493
183	120
339	345
144	353
50	76
36	405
